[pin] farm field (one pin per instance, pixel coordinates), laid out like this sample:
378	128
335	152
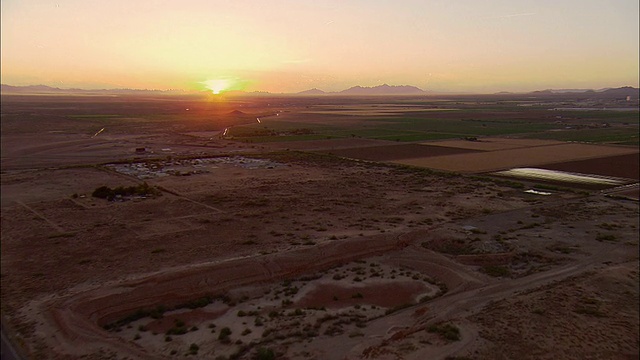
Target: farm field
492	144
395	152
623	166
470	118
334	228
497	160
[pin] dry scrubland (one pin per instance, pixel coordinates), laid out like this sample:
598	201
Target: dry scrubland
248	248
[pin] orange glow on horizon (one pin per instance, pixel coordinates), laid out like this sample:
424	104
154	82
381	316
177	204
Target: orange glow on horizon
217	85
237	46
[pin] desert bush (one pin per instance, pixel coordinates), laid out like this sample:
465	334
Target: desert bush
496	271
265	354
177	330
105	192
193	349
224	334
606	237
447	331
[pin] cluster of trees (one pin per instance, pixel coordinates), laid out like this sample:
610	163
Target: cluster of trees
105	192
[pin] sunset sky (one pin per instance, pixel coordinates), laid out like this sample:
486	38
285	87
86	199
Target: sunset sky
295	45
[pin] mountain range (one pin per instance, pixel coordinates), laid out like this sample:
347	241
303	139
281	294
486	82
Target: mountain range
383	89
44	89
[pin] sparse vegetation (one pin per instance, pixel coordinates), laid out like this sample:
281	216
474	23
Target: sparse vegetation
224	334
193	349
330	210
447	331
265	354
606	237
143	189
496	271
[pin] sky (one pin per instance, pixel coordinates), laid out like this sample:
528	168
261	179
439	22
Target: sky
295	45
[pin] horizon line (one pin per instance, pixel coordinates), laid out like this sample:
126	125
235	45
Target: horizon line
329	93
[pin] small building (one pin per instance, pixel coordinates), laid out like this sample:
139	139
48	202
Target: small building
141	150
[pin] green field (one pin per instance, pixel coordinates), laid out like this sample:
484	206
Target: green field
408	129
282	138
471	119
627	136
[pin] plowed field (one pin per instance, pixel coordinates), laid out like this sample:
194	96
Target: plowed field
498	160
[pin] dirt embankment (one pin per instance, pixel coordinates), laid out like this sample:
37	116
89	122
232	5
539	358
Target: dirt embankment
77	319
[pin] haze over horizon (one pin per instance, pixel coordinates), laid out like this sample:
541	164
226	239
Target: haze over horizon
292	46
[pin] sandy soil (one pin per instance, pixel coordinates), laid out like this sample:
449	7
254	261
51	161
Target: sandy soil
540	239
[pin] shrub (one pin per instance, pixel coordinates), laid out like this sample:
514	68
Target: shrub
225	332
447	331
265	354
193	349
496	271
197	303
105	192
605	237
258	321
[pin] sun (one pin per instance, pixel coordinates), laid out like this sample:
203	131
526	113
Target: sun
217	85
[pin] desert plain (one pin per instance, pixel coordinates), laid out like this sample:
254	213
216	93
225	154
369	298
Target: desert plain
320	227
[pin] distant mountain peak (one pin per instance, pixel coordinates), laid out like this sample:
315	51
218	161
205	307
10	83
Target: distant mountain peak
313	91
45	89
620	92
384	89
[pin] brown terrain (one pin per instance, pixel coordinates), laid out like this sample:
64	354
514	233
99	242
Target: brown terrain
314	249
496	160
